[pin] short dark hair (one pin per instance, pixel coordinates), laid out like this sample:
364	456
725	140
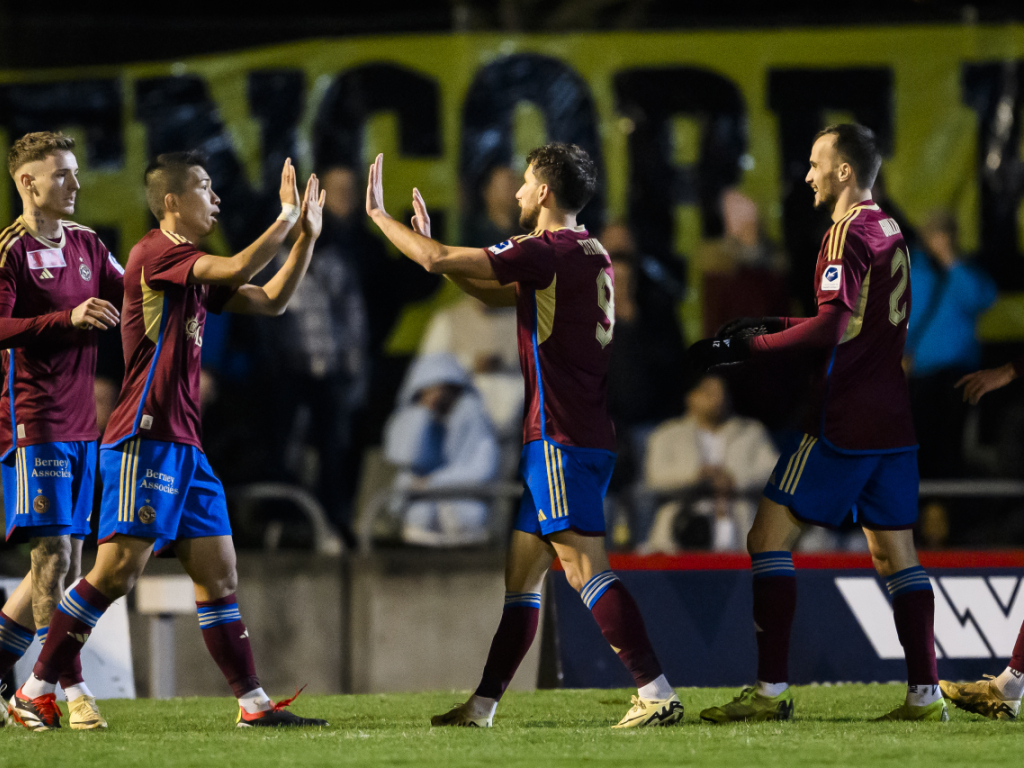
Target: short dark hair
168	174
37	146
569	172
857	145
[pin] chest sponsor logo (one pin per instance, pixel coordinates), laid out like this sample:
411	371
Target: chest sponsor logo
501	247
193	330
831	278
85	272
889	227
976	617
47	258
46	274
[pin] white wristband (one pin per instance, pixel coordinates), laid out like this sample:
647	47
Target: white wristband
289	213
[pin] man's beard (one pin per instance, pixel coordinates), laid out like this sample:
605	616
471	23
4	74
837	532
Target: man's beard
528	219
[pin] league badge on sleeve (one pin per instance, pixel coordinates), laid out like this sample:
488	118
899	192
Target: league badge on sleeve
501	247
831	278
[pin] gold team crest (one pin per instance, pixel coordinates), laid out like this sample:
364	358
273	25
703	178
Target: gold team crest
41	505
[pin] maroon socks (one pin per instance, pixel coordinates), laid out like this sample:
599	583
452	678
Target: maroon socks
774	606
515	634
618	616
70	626
227	640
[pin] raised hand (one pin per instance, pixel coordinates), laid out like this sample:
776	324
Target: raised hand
420	219
981	383
375	188
312	218
95	313
289	187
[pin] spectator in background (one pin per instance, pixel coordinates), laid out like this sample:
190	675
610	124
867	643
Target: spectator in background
743	272
949	296
709	456
483	340
439	435
498	219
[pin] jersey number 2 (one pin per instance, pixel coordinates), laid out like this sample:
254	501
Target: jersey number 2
606	301
898	314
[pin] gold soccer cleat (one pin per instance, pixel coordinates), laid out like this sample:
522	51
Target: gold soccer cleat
935	712
751	707
650	712
84	715
461	716
981	698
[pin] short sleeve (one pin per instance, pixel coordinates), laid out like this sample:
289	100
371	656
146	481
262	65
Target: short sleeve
842	277
527	261
173	265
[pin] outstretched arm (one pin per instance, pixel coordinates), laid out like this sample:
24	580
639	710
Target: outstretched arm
431	255
235	271
273	298
980	383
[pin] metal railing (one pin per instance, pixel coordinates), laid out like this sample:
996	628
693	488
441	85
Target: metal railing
326	540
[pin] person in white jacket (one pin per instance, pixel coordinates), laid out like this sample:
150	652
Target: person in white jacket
440	435
713	452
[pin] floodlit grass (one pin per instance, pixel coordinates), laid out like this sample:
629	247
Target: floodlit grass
556	728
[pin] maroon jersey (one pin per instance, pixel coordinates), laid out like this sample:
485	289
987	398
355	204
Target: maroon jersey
860	399
162	333
48	392
566	313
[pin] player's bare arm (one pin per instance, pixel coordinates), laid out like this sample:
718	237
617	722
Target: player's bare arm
431	255
272	298
239	269
980	383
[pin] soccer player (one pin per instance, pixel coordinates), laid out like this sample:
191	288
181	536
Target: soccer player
858	450
997	698
560	280
58	283
158	488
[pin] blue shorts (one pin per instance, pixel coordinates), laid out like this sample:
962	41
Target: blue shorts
565	488
162	491
821	485
48	489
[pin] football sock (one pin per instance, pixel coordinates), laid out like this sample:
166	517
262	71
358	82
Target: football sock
658	689
14	641
771	690
76	691
913	608
33	688
1010	683
227	640
923	695
255	701
1017	659
41	634
618	616
70	625
481	706
774	606
512	640
71	675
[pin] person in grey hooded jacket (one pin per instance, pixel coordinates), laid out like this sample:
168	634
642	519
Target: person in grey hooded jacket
440	435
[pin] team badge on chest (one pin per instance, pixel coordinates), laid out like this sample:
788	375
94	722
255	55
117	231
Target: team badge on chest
85	272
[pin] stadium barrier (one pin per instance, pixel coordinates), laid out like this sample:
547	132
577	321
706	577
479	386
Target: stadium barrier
698	610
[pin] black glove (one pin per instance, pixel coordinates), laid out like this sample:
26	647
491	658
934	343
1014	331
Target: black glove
711	353
751	326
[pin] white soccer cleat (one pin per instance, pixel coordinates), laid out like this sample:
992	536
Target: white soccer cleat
650	712
463	717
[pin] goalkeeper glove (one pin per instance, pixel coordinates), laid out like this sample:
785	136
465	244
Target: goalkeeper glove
711	353
751	326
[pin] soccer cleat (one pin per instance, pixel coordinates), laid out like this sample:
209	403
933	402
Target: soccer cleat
276	717
981	698
462	717
751	707
84	715
646	712
935	712
39	714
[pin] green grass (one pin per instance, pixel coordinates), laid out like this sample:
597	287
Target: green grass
547	728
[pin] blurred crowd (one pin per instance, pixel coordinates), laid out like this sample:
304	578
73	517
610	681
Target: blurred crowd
423	450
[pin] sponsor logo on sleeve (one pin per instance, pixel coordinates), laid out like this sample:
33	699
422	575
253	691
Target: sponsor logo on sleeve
831	278
47	258
501	247
889	227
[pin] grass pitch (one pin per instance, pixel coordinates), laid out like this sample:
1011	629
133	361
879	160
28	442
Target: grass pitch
547	728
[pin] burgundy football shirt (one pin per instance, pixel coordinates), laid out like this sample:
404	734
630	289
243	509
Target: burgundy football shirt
860	401
162	334
48	392
566	314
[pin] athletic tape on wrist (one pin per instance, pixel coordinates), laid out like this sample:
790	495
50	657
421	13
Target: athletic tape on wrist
289	213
